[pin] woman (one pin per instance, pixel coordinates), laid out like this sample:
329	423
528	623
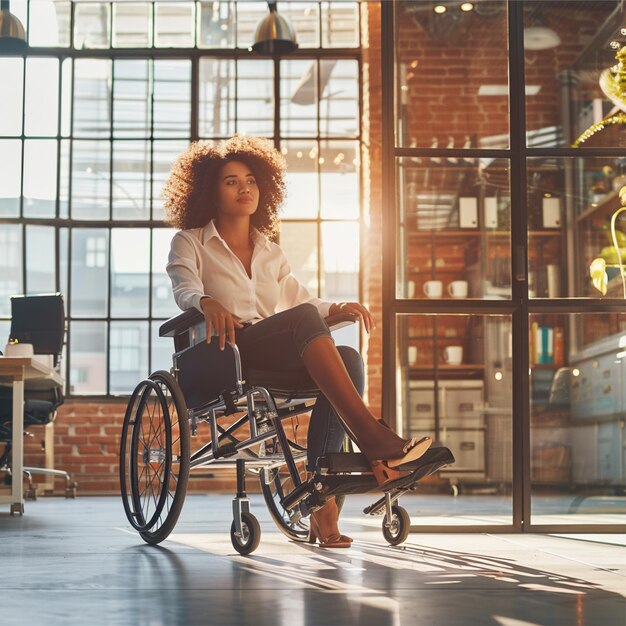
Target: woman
225	199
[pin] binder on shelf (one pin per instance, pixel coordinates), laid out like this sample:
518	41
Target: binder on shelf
559	347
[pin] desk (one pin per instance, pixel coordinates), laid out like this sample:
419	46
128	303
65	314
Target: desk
20	372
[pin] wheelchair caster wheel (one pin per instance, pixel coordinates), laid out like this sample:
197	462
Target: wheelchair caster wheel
248	541
30	494
396	530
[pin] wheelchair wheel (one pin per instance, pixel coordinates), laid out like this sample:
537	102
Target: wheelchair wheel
275	485
396	530
248	541
154	457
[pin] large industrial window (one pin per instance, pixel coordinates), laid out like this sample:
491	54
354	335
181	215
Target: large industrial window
90	122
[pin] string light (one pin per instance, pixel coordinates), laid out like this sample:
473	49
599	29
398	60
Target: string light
440	9
467	6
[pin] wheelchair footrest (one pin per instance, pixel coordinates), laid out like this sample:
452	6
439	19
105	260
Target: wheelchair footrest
350	462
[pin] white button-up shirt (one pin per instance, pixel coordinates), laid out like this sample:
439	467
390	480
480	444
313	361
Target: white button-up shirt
201	264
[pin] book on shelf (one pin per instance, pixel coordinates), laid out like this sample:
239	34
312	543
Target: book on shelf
547	345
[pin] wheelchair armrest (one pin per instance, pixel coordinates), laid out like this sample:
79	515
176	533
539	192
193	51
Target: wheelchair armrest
180	323
340	320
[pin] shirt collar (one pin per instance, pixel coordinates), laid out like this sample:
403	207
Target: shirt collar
210	231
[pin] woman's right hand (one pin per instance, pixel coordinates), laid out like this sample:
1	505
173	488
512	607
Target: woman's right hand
220	319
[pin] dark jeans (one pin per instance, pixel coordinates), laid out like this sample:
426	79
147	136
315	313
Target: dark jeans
277	344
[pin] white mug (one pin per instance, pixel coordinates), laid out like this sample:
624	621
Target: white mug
412	355
410	289
433	288
453	355
458	289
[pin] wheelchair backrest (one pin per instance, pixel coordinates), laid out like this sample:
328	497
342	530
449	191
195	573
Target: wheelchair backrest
204	372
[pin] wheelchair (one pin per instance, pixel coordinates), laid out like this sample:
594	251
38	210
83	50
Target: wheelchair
205	389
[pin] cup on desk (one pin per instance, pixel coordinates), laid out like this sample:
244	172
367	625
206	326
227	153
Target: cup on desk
433	288
458	289
453	355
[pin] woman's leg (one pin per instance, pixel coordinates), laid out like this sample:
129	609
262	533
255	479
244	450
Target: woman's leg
327	369
326	432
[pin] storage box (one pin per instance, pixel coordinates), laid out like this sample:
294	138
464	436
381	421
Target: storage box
468	212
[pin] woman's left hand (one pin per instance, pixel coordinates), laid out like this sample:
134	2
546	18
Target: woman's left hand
355	308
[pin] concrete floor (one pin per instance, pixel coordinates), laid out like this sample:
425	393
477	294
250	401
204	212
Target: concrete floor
78	562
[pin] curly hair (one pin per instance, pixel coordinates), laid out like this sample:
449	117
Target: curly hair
190	191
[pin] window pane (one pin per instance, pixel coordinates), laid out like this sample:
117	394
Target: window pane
92	97
40	177
571	203
131	103
172	98
339	167
340	261
88	362
302	179
49	23
454	238
339	106
5	329
90	268
578	402
299	89
128	362
11	264
40	259
163	155
299	241
130	272
42	97
132	25
255	98
216	25
217	97
10	176
455	384
12	72
591	90
340	24
162	349
468	90
305	19
91	25
131	180
91	173
249	14
174	24
163	304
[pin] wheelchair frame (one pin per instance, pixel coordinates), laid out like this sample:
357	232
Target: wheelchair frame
156	457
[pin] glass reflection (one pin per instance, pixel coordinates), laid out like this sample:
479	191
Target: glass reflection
454	384
578	400
40	177
131	102
128	358
454	238
11	264
40	259
88	359
92	97
217	97
90	268
12	71
172	98
130	267
452	76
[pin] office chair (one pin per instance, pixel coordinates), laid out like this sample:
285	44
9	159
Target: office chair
40	321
